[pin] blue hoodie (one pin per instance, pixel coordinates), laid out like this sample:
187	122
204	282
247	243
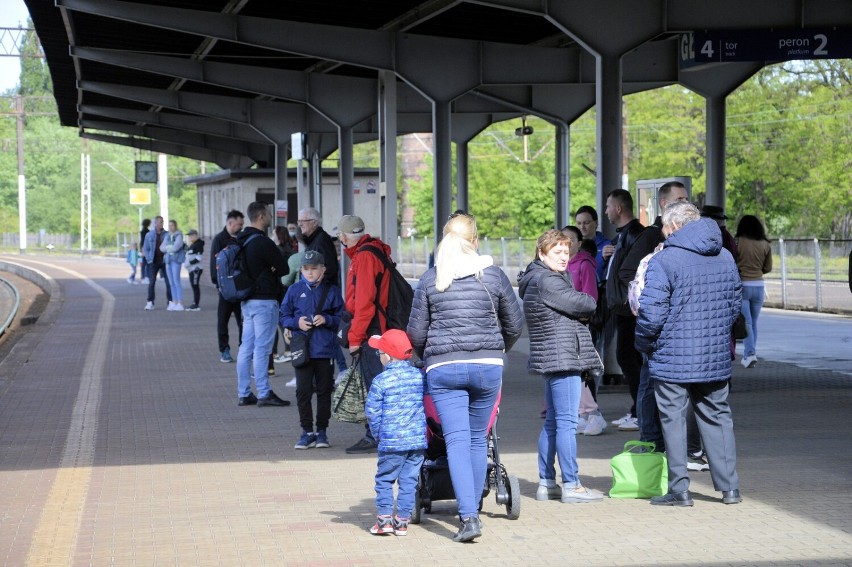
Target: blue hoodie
302	301
688	306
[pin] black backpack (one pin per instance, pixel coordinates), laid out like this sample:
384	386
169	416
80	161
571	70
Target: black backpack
235	283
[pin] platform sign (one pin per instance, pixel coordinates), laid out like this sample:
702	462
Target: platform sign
766	45
140	196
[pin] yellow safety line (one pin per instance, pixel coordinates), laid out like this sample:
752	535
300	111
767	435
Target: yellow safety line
55	537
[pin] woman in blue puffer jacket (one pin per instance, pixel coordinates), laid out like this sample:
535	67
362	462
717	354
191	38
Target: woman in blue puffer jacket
465	316
561	349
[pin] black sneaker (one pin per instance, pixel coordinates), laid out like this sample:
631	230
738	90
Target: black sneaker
363	447
193	307
249	400
271	400
697	462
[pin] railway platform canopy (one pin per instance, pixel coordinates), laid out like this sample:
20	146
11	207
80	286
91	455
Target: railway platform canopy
244	83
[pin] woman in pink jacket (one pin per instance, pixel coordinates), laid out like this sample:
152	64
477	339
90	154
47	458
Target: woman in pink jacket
583	269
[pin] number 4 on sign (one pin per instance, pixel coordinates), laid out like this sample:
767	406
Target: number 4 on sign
707	49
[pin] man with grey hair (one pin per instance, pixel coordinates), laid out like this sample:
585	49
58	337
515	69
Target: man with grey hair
316	238
691	298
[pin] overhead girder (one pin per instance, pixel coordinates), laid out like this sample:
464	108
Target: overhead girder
223	160
187	122
257	152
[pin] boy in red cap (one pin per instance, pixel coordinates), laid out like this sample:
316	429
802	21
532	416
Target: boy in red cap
397	421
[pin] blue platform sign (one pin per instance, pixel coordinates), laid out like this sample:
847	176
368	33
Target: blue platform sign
766	45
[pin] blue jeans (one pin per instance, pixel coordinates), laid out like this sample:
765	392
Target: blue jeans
260	323
464	395
173	271
402	467
752	302
557	439
646	409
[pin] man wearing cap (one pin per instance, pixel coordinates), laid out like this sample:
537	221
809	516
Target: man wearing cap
361	303
316	238
265	265
718	215
194	267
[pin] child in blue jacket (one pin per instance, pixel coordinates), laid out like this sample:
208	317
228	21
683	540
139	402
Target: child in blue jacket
302	313
133	260
398	423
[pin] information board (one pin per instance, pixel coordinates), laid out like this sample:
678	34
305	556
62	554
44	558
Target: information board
765	45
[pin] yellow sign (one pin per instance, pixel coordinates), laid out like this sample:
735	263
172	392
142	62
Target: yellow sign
140	196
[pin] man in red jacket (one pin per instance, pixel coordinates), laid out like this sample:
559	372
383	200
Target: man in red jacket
361	297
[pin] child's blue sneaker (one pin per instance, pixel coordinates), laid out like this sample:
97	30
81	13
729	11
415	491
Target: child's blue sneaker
322	440
306	441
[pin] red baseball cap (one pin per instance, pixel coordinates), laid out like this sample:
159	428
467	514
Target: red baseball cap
394	342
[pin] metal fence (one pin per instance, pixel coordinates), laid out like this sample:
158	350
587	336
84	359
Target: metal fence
807	274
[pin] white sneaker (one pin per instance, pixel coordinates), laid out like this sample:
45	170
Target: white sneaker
283	358
621	420
749	361
582	423
290	384
177	307
149	306
171	306
131	280
146	281
631	424
596	425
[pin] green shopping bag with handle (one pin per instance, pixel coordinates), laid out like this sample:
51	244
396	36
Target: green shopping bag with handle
639	472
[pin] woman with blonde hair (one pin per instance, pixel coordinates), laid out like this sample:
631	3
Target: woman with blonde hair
464	318
561	349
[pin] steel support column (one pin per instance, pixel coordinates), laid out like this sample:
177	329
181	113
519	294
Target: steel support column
442	151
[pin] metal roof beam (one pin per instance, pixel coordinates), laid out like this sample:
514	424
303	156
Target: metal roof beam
223	160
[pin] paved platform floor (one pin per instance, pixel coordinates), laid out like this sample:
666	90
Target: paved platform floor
121	444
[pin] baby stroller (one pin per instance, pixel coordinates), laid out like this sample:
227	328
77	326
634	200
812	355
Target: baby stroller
435	483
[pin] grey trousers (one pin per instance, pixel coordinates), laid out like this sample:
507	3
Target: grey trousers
713	414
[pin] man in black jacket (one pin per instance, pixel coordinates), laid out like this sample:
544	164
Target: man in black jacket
619	211
646	405
265	265
233	225
316	238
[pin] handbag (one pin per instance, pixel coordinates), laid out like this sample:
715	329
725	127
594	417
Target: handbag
299	342
639	472
740	329
350	396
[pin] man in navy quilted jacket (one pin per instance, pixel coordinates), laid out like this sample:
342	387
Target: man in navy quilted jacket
691	299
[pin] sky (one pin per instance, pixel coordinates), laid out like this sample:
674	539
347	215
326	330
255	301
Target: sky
12	14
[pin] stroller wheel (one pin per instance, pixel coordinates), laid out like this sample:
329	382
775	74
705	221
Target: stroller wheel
513	506
418	508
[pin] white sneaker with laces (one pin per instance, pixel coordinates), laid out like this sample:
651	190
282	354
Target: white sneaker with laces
749	361
596	425
290	384
631	424
621	420
177	307
149	306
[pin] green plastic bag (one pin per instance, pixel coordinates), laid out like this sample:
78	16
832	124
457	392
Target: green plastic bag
639	472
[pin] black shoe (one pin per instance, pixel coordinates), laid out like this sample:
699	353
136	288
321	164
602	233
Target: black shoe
673	499
271	400
249	400
363	447
471	528
731	497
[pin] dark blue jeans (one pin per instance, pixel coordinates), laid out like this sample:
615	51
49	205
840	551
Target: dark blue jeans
464	395
646	409
155	268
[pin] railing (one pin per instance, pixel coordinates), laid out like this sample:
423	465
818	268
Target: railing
808	274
